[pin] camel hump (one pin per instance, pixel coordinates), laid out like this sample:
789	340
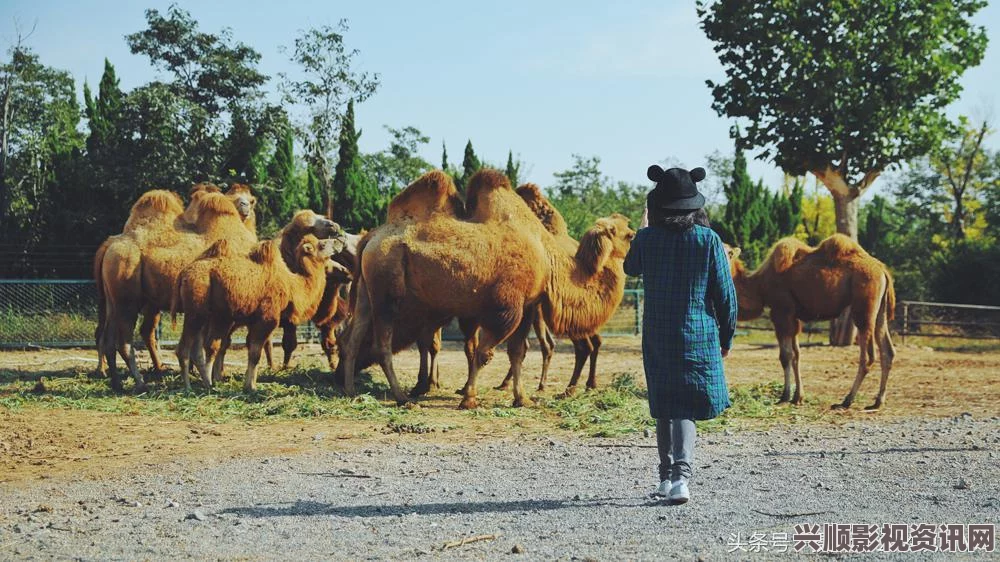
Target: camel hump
543	209
266	252
432	193
786	252
839	247
482	185
218	249
210	205
157	202
206	187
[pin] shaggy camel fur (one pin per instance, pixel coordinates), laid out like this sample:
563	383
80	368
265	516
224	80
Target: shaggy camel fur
588	285
257	290
333	307
191	290
491	268
152	268
153	214
799	283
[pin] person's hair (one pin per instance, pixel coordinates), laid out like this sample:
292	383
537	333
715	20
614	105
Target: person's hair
677	220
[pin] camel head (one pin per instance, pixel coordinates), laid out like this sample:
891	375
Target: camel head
307	221
243	198
203	187
750	304
314	249
610	237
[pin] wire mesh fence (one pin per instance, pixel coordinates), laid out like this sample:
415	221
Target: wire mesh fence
63	313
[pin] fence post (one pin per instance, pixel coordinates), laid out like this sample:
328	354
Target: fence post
906	319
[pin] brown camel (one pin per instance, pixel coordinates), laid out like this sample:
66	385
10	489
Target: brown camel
588	285
333	308
257	290
799	283
192	288
491	268
142	279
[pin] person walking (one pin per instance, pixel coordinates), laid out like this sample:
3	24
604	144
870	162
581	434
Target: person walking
688	322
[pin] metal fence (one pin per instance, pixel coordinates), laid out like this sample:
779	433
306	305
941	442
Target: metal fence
47	313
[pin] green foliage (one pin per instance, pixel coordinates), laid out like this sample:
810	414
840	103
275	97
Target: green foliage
858	84
357	202
327	83
396	167
211	70
513	170
754	218
582	194
470	165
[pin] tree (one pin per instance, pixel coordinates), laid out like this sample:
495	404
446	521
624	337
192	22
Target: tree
583	194
281	175
513	170
104	114
965	167
754	218
211	70
396	167
356	200
327	84
470	165
842	90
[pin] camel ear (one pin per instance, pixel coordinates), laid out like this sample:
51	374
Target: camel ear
654	173
697	174
308	248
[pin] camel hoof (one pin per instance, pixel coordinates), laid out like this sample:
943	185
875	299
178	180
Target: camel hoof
591	387
469	403
541	387
141	388
877	405
522	403
841	406
503	386
407	404
797	401
419	390
569	392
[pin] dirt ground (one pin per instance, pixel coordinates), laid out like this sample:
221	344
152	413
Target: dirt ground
46	443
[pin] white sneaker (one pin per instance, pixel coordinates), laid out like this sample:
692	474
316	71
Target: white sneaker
679	492
663	489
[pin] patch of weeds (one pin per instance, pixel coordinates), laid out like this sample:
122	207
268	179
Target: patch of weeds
619	409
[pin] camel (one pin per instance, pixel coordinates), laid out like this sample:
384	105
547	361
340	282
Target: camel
800	283
588	285
141	278
490	268
258	290
193	284
333	308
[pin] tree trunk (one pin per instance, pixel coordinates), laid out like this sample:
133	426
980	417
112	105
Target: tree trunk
958	220
842	330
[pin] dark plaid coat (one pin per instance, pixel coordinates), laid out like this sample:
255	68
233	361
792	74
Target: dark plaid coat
689	314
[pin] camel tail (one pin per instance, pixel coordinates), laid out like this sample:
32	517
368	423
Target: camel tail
890	296
175	303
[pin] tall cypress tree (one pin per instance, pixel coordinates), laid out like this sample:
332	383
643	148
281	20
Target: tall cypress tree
444	156
281	173
104	113
356	203
470	165
513	170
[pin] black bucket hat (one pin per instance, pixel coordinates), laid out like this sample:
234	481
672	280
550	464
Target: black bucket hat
675	188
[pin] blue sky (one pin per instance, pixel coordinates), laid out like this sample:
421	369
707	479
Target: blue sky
624	81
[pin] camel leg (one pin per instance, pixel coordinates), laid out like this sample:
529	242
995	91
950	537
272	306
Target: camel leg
595	347
382	322
289	341
102	365
435	370
183	350
863	334
150	320
547	345
425	341
799	393
786	353
122	343
328	342
886	352
257	334
581	347
470	332
269	353
517	347
482	351
360	327
219	365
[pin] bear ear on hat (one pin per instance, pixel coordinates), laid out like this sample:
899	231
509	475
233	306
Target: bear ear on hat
697	174
654	173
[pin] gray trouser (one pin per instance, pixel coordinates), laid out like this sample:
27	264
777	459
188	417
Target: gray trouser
675	442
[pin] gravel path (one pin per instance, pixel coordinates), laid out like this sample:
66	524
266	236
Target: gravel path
552	499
